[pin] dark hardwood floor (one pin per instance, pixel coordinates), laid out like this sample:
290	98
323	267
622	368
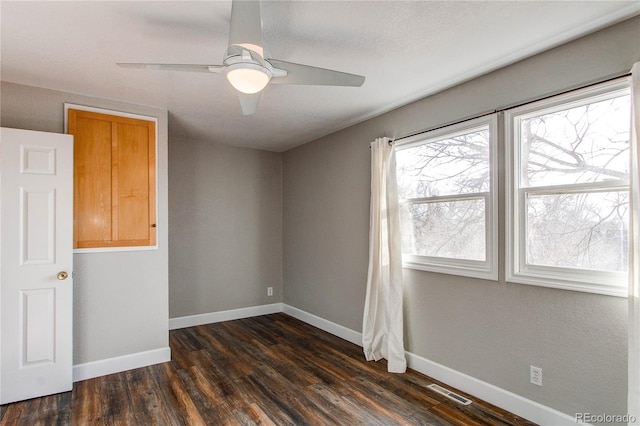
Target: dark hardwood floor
266	370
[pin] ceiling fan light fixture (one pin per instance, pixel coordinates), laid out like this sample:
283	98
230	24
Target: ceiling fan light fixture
248	78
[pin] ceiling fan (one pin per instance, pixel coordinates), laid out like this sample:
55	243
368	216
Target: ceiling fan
248	70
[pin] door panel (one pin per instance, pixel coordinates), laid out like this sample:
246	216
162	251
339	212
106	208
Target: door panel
36	226
115	180
38	331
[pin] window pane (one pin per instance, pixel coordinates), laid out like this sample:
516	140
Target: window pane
454	229
583	144
451	166
580	230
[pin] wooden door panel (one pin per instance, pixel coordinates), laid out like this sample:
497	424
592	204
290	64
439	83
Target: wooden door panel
133	182
115	202
92	177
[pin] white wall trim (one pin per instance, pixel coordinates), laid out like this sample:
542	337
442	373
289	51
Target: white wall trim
509	401
213	317
504	399
326	325
118	364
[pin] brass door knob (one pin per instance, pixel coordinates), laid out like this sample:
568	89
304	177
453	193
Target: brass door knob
62	275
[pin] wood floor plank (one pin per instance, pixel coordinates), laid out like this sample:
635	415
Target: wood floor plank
401	406
327	398
204	406
63	411
86	397
183	402
258	415
224	387
117	409
454	415
147	397
267	370
214	395
13	413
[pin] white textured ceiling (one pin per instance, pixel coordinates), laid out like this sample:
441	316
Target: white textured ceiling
405	49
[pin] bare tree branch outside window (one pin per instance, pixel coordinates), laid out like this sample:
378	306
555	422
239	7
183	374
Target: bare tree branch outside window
572	220
438	221
587	227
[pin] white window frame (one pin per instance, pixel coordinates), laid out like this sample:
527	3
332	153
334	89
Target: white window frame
517	270
487	269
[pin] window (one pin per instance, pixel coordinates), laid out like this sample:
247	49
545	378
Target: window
446	186
114	180
568	190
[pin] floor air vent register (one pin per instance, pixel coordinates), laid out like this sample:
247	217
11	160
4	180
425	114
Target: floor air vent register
451	395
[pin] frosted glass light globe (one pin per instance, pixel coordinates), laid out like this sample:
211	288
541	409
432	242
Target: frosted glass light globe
248	78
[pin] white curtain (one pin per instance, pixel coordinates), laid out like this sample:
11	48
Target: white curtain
382	324
634	254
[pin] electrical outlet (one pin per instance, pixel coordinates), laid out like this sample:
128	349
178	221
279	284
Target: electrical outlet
536	375
269	291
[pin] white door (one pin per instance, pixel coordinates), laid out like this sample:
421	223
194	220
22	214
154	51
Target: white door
36	259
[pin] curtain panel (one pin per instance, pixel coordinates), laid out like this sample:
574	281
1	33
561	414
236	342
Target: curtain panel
382	325
633	407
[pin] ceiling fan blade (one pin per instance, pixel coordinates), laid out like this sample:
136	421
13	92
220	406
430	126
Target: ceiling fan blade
174	67
246	25
249	103
308	75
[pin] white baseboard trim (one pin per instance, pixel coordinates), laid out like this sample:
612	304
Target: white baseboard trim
509	401
504	399
233	314
323	324
118	364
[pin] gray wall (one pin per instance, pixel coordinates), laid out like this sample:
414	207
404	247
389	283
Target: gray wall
120	302
225	229
489	330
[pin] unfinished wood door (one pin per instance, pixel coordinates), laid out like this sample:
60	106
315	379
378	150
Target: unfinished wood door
115	180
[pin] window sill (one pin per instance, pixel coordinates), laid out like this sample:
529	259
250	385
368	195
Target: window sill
603	287
469	269
113	249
